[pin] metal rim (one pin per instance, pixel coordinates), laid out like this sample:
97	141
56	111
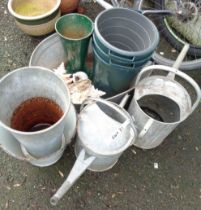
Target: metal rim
178	73
52	126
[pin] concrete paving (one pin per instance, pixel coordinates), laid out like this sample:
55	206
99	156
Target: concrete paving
133	184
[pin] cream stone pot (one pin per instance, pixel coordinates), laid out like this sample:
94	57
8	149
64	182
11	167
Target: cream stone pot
35	25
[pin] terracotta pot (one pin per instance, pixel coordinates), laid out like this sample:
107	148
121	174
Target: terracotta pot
68	6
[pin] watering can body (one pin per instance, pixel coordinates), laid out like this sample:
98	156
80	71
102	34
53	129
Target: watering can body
103	136
164	96
101	162
104	132
151	132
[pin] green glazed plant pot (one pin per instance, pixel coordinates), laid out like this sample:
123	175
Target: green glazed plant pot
75	31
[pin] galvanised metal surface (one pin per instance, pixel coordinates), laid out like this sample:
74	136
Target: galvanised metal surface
29	82
104	132
162	95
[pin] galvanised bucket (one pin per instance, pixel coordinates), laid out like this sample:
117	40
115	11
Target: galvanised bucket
29	82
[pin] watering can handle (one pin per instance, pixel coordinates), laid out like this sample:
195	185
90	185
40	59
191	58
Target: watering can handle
78	169
117	108
179	60
176	72
110	104
124	100
129	121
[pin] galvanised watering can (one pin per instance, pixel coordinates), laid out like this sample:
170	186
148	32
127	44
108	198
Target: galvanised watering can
163	98
104	132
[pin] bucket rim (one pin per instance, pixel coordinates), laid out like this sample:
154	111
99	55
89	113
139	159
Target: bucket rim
52	126
124	52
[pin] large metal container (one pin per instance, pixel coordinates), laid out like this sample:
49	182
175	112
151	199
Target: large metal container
23	84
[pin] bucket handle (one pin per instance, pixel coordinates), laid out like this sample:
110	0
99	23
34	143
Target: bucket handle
176	72
104	4
137	7
80	166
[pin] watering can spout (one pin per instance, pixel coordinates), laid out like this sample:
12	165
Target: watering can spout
78	169
59	194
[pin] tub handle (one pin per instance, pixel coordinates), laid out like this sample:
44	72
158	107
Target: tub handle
112	58
80	166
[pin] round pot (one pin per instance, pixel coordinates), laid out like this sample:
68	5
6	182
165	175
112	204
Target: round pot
37	24
68	6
